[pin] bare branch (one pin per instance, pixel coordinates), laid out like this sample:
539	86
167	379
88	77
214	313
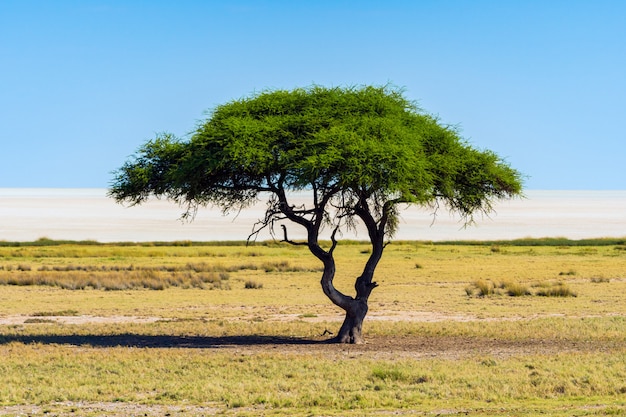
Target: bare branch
286	239
435	206
334	240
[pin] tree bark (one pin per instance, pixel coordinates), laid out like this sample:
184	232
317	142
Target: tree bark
351	330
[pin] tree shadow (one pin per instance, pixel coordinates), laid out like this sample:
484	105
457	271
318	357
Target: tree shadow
158	341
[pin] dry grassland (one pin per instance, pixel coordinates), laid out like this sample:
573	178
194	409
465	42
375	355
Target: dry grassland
205	330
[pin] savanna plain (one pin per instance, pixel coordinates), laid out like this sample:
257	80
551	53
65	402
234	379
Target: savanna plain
508	328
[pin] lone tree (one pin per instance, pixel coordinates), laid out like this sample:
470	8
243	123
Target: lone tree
359	153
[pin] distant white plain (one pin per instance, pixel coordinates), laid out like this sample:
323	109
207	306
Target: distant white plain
88	214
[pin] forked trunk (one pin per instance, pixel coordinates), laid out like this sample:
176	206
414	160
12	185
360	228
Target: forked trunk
351	330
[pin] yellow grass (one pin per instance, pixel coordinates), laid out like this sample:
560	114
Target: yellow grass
85	351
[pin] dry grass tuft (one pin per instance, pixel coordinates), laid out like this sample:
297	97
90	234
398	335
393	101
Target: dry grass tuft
254	285
558	289
515	289
485	288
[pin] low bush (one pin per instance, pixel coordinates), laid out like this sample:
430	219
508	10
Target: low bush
250	284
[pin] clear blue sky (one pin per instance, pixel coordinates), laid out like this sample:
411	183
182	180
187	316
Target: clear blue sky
84	83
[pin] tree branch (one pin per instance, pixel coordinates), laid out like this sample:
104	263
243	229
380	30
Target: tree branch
287	240
334	240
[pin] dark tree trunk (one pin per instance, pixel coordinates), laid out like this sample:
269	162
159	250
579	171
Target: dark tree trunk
356	308
351	330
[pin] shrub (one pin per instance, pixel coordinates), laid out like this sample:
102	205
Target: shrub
253	285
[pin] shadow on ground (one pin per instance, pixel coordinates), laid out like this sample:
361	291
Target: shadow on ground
157	341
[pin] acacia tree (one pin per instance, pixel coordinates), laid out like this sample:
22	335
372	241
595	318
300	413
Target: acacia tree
359	153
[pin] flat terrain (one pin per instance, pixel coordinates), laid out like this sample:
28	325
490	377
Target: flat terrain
495	329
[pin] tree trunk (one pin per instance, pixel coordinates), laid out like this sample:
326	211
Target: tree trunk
351	330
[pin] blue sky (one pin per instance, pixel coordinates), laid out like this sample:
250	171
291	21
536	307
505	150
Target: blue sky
84	83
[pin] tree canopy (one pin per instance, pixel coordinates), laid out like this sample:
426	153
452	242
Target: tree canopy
358	152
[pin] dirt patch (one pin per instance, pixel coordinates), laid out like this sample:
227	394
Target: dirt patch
410	316
108	409
375	347
395	316
242	315
417	347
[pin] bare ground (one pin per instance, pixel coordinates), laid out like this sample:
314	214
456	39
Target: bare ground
375	347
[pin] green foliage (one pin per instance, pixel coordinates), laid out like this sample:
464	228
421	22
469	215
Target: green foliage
348	146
